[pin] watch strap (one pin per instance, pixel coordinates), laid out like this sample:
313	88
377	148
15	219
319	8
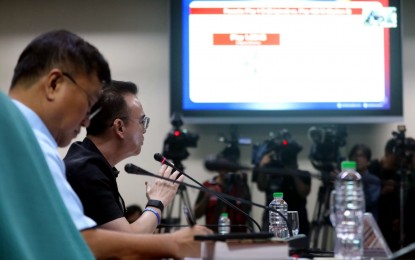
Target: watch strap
156	204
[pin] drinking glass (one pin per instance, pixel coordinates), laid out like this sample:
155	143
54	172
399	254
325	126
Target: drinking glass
292	217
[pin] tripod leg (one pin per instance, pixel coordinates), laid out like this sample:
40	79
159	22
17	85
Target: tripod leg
169	219
321	228
315	223
401	211
186	203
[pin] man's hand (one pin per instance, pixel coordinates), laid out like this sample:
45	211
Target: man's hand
187	245
164	190
266	159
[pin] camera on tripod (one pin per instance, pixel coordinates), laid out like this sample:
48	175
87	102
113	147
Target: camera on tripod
174	148
177	141
285	149
325	157
324	152
403	147
228	158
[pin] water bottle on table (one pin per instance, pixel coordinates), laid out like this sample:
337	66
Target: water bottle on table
224	224
277	224
347	209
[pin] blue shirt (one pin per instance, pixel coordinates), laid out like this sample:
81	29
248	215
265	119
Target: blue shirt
35	223
57	168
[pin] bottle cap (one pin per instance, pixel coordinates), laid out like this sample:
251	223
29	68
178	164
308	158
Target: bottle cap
278	194
224	214
348	165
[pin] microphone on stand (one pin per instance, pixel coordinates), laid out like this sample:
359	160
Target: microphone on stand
160	158
208	226
133	169
163	160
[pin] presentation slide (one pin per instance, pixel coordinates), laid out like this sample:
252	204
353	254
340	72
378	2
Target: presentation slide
282	54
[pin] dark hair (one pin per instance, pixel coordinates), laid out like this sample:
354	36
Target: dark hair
390	145
396	146
367	152
60	49
112	105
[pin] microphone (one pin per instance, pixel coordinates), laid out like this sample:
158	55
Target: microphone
163	160
180	226
133	169
160	158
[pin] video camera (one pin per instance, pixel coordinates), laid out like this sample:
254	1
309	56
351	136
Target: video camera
401	146
324	152
285	149
177	141
228	158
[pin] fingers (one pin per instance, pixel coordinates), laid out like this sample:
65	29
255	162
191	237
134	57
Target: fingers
181	178
202	230
163	189
168	173
191	231
174	176
165	171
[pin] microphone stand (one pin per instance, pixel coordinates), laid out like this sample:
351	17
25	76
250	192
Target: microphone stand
160	158
133	169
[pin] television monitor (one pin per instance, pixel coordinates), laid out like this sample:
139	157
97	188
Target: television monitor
286	61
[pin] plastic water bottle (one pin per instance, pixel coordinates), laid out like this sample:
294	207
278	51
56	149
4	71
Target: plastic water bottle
347	209
224	224
277	224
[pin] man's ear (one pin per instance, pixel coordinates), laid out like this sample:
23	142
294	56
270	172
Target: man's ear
53	83
119	127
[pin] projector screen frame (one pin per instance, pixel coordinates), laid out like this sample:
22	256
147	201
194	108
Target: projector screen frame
194	116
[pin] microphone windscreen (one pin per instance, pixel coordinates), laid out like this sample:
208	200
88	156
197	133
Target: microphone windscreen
130	168
158	157
134	169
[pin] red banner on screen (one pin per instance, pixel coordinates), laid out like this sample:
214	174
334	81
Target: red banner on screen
246	39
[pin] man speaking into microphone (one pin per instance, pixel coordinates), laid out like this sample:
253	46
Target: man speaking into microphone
115	133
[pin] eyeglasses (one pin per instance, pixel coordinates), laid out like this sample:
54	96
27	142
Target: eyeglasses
145	121
88	96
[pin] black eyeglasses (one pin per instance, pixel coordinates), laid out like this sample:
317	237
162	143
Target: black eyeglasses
88	96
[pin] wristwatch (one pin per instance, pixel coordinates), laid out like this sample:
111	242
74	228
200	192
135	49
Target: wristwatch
156	204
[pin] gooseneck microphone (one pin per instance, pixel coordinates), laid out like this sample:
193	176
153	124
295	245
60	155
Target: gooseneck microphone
160	158
163	160
133	169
